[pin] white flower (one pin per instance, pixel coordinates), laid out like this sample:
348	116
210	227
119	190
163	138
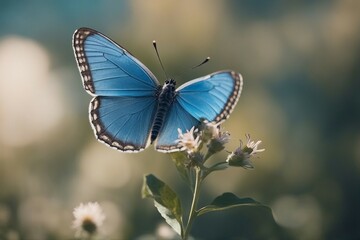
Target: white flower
209	130
212	131
88	218
241	156
188	141
251	145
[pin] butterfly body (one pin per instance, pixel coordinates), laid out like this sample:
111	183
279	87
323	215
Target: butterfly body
130	109
166	97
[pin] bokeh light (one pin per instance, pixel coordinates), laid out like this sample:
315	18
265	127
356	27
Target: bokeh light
29	97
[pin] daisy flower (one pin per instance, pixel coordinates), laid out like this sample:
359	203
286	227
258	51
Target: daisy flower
89	218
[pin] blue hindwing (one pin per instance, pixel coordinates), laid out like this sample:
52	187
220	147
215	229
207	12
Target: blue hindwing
123	122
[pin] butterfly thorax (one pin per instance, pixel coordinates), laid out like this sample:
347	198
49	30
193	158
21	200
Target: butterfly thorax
165	99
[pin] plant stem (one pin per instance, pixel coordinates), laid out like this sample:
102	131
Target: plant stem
193	212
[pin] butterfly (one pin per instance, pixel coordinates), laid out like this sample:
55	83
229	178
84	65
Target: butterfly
130	109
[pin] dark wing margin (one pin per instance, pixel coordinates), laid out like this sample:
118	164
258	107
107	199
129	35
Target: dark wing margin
78	46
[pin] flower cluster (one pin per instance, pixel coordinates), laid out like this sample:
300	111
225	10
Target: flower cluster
209	134
215	139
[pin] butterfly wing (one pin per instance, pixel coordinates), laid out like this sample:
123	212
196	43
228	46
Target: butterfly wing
125	102
123	122
212	97
107	69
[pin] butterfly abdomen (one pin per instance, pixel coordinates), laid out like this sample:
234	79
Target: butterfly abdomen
166	97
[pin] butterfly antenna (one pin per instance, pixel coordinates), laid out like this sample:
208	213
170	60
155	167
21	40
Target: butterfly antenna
203	62
157	53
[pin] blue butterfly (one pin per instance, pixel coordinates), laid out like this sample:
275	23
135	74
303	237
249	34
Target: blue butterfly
130	109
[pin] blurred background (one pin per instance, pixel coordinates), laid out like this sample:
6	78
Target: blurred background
300	62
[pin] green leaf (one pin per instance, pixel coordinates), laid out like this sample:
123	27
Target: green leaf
165	200
227	201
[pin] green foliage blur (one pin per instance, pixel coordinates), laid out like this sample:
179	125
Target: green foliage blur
300	63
